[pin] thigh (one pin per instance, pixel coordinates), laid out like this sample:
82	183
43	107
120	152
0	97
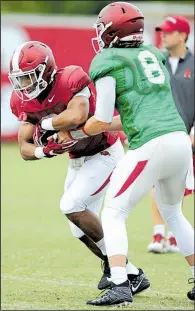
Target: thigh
176	171
133	177
92	177
70	177
89	185
170	190
91	181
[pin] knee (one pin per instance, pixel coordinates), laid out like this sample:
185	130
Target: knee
170	212
112	214
69	204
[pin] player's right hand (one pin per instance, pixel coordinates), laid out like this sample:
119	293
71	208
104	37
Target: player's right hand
53	149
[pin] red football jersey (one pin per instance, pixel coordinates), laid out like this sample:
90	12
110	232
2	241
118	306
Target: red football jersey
67	82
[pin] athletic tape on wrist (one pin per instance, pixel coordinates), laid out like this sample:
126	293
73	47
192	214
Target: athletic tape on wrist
46	124
39	154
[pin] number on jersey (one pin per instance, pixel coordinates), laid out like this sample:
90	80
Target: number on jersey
151	66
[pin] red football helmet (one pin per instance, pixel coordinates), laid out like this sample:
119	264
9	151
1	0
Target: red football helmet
119	24
32	68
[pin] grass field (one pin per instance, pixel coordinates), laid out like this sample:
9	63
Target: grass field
45	268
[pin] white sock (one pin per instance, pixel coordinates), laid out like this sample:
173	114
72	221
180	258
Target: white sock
192	267
102	246
159	229
131	269
118	275
170	235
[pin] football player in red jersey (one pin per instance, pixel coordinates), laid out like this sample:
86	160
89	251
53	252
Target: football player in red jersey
47	100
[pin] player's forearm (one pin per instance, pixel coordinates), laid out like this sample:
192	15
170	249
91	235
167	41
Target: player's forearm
67	120
105	103
75	114
94	126
27	151
116	124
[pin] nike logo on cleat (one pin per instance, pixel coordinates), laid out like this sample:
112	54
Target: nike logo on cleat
136	288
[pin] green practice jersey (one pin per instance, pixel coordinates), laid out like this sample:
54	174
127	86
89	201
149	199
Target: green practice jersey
143	93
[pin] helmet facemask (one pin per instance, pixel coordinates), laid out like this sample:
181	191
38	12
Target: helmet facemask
100	29
29	83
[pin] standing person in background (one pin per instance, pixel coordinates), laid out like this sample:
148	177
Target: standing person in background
180	64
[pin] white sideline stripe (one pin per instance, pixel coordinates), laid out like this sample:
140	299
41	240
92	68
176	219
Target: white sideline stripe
136	304
60	282
149	291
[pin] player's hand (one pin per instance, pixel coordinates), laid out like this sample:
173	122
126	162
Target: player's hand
53	148
63	137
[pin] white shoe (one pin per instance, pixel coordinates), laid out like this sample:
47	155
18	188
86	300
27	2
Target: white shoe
172	245
158	245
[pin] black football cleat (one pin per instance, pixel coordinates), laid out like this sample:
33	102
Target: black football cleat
138	282
119	295
191	293
105	281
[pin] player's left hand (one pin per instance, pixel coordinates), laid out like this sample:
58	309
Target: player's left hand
63	137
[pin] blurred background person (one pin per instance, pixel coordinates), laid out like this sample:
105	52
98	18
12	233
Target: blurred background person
180	63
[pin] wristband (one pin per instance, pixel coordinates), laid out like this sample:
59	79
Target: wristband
78	134
46	124
39	154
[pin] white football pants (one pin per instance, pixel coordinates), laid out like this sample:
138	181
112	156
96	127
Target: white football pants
87	181
163	163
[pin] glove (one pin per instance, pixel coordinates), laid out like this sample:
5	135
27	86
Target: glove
38	135
53	149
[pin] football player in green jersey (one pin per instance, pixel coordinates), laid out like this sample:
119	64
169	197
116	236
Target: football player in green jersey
132	77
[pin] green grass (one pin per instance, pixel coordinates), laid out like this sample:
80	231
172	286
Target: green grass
45	268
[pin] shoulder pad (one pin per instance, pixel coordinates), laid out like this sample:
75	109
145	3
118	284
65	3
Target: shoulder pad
102	65
75	78
15	104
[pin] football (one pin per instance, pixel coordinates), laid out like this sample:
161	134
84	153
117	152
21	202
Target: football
45	136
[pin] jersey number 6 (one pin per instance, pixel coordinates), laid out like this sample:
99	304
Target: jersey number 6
151	66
